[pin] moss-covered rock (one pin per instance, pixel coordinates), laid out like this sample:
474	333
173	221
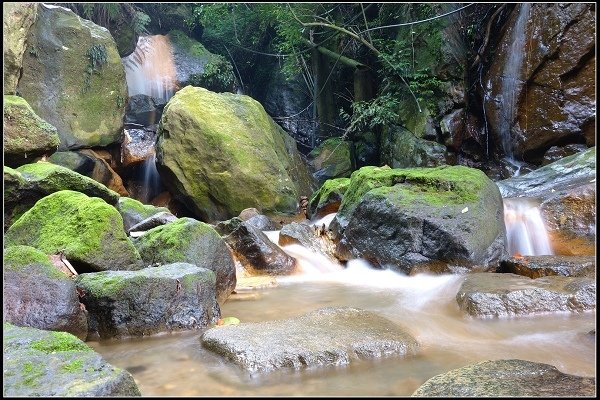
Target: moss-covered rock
507	378
332	159
173	297
328	198
74	79
442	219
42	363
196	66
87	230
39	295
19	196
26	135
134	212
401	149
17	20
190	241
221	153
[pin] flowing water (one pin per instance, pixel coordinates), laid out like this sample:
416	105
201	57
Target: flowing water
525	230
176	364
150	179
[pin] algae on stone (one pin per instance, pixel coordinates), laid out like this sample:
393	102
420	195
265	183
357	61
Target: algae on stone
87	230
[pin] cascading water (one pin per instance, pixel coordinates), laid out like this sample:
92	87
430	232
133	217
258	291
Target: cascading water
525	230
150	71
511	84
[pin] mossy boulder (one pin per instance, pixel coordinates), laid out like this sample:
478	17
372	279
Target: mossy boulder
19	196
39	295
507	378
173	297
190	241
42	363
331	159
17	20
222	153
74	79
87	230
443	219
26	135
401	149
196	66
328	198
134	212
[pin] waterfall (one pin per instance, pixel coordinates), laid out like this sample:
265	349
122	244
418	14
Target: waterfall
525	230
150	69
150	179
512	80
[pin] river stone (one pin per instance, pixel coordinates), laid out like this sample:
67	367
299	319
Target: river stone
86	229
331	159
555	153
507	378
221	153
538	266
401	149
196	66
325	337
173	297
137	146
17	20
443	219
328	198
262	223
566	173
554	94
143	110
190	241
85	103
26	135
39	295
134	212
39	363
308	236
255	251
162	218
502	295
48	178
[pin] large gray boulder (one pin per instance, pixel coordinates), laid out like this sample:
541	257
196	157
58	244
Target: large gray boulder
503	295
73	78
17	19
507	378
402	149
222	153
538	266
172	297
443	219
190	241
42	363
39	295
325	337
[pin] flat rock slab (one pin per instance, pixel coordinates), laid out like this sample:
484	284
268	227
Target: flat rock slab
501	295
325	337
43	363
518	378
538	266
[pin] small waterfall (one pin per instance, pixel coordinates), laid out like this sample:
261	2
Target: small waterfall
525	230
150	179
512	80
150	69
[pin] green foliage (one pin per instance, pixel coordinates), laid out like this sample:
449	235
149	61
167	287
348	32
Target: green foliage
97	57
110	15
368	115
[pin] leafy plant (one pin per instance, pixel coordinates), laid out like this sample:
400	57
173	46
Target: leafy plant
97	57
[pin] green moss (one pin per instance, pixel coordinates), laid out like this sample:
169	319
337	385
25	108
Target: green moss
31	373
73	366
336	186
86	229
102	284
169	243
132	206
22	258
436	186
58	342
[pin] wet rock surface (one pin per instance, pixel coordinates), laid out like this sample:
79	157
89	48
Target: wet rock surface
513	378
43	363
503	295
325	337
310	237
171	297
538	266
162	218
